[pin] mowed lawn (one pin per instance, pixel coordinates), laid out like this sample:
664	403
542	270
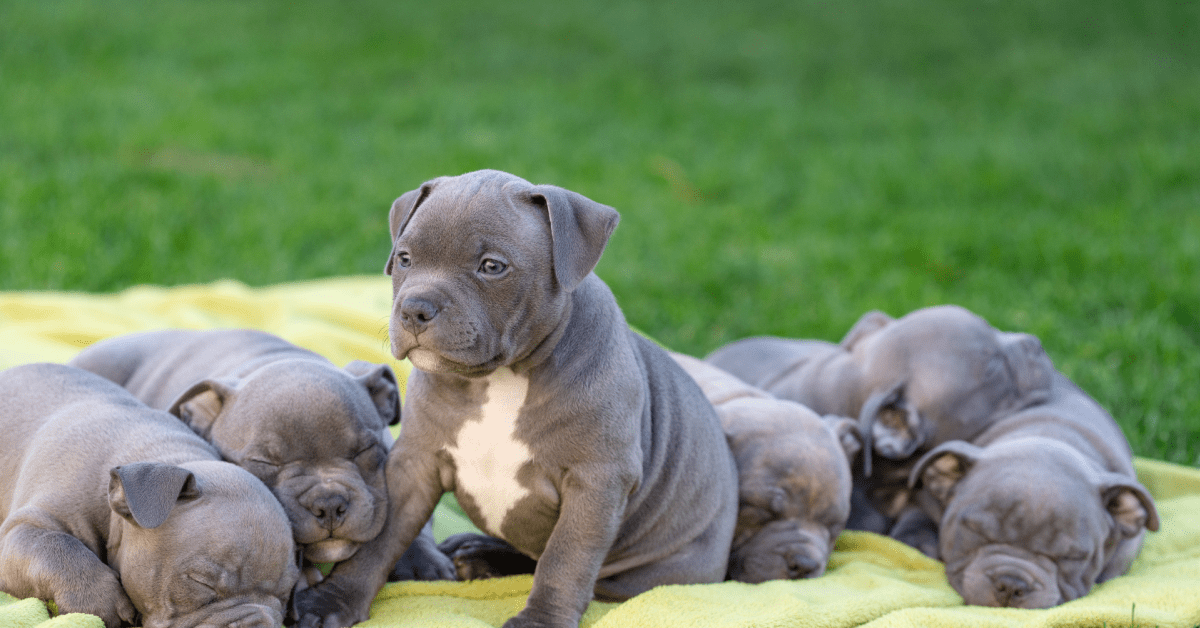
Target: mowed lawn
780	167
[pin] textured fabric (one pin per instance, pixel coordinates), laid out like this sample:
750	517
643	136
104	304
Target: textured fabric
871	581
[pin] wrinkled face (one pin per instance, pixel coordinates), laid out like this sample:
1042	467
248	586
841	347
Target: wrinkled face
224	559
957	374
321	453
1012	537
794	499
472	280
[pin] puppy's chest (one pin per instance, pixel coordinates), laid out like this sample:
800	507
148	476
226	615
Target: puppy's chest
487	453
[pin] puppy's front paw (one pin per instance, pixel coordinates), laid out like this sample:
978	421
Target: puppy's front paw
103	597
323	606
528	619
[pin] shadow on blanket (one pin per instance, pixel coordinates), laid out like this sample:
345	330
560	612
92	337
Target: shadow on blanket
871	580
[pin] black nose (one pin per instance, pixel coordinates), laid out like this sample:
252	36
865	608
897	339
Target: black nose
1010	589
330	510
802	565
416	313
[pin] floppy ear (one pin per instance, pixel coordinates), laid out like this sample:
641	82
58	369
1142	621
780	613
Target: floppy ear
579	230
941	468
380	382
846	431
1129	504
868	324
402	211
200	406
145	492
889	426
1031	367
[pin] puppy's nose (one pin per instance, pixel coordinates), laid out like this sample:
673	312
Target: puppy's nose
416	313
801	565
1010	589
330	509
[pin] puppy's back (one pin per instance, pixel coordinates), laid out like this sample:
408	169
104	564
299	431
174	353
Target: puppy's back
65	426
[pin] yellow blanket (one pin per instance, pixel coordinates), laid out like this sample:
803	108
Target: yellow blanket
871	580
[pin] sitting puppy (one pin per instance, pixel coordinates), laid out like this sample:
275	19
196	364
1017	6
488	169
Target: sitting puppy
559	429
1038	508
315	434
793	477
935	375
111	508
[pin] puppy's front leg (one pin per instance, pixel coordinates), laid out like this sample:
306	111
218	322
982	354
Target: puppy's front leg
592	508
344	597
53	565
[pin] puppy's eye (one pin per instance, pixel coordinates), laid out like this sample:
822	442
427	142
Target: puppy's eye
371	458
490	266
207	591
403	259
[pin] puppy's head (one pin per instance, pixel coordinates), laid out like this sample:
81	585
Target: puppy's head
200	544
482	267
793	489
316	435
1029	523
941	373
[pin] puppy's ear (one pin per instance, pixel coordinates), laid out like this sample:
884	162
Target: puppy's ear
1030	366
145	492
868	324
1129	504
941	468
402	211
380	382
889	425
200	406
846	431
579	230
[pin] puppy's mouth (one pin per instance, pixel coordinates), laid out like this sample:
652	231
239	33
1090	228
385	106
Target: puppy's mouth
431	361
330	550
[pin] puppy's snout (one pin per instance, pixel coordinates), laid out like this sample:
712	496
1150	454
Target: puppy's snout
801	565
330	509
417	312
1010	589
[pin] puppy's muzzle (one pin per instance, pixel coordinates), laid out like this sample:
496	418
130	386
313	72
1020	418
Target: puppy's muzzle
329	507
416	313
802	565
1010	589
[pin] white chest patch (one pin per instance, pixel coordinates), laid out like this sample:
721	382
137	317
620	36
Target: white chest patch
488	455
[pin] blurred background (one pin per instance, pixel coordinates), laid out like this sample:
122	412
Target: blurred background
780	167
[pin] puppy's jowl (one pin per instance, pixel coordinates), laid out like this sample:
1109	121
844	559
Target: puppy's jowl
111	508
559	430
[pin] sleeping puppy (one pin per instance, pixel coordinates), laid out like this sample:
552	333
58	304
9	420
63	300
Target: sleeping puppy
935	375
315	434
793	477
111	508
1038	508
558	428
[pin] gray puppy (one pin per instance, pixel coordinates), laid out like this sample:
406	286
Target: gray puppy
1040	507
937	374
793	477
559	429
315	434
111	508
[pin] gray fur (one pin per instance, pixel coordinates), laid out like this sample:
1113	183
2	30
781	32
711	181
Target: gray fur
114	509
994	438
793	477
627	483
315	434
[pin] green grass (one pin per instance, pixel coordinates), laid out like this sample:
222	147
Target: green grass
780	167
